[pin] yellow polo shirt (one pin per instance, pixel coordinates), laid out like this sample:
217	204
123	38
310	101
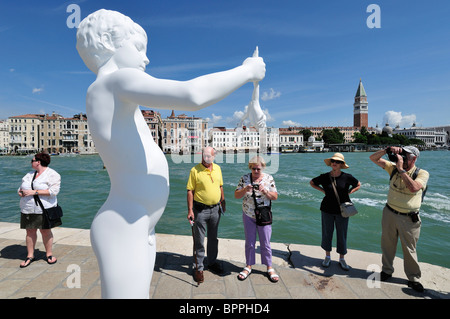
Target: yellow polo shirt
205	184
400	197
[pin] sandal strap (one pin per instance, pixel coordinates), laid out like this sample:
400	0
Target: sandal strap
245	275
272	273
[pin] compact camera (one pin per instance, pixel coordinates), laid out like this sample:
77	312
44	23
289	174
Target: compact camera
393	157
255	186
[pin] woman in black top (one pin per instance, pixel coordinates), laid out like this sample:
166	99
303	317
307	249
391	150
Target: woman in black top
331	213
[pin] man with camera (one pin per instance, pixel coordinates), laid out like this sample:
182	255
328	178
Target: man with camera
401	213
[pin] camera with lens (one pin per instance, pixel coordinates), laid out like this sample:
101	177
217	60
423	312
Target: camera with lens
393	157
255	186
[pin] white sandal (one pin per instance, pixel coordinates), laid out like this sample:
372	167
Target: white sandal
243	274
273	275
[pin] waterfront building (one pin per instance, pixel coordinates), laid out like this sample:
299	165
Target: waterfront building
31	133
291	140
432	136
272	139
184	134
24	133
154	122
314	146
446	130
61	135
76	135
4	137
244	139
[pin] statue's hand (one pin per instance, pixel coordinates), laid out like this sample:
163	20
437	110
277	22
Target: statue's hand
262	122
256	67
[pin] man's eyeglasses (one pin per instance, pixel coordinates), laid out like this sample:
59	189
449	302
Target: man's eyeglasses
336	161
256	169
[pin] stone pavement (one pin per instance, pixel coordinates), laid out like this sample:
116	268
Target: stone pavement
76	275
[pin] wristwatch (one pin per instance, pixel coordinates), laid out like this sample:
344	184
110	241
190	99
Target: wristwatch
36	193
402	171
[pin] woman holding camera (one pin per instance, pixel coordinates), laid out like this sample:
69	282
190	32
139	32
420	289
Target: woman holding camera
263	187
331	212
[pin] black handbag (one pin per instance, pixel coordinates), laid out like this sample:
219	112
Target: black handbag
263	213
347	208
52	215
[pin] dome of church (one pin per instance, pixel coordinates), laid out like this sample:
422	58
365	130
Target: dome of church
377	130
387	129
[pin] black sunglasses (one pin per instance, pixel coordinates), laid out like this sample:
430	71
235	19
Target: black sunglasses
337	162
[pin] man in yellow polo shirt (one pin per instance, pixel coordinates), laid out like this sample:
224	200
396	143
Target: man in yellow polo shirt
205	199
401	213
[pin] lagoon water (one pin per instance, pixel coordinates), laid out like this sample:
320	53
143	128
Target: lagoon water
85	186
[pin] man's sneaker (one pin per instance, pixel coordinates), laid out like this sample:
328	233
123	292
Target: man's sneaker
384	276
417	286
343	264
326	262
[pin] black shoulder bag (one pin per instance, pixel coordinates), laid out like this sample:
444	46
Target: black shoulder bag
52	215
347	208
263	213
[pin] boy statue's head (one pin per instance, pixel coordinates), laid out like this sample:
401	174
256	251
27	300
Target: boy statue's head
101	33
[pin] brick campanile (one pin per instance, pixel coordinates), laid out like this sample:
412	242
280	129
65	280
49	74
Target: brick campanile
360	108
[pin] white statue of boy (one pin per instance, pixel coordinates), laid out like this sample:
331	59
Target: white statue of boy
123	231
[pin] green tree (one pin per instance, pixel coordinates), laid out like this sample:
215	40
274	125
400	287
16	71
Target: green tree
306	134
374	139
364	131
359	138
333	136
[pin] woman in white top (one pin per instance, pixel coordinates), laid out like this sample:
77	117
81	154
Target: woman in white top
46	184
265	191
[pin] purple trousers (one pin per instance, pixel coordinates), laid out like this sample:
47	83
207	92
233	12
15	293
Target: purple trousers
264	234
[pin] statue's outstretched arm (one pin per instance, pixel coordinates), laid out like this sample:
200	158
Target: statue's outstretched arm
138	87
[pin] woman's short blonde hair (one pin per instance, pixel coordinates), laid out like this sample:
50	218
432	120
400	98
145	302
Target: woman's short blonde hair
258	160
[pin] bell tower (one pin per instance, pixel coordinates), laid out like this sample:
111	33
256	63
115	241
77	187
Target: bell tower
360	108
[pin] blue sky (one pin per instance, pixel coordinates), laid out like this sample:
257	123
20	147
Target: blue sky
315	52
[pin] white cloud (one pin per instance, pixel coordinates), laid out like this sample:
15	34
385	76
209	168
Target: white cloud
269	117
394	118
237	117
270	95
290	123
37	90
214	120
